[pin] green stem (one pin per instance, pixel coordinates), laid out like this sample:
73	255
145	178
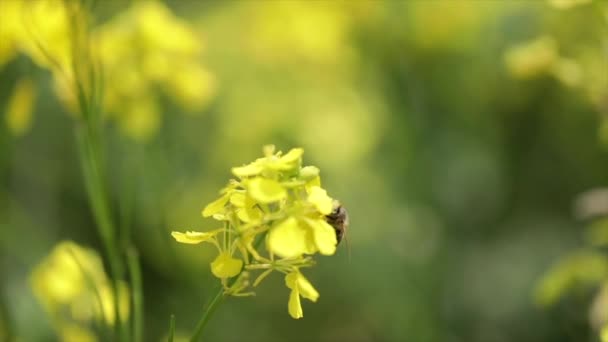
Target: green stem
171	328
6	322
137	294
87	87
90	159
213	304
215	301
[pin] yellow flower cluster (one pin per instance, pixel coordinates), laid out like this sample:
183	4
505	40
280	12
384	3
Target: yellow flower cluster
73	288
277	200
141	51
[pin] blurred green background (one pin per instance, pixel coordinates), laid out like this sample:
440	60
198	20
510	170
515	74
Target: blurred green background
457	147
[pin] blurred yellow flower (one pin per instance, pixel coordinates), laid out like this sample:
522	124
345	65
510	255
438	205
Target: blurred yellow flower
584	268
567	4
39	29
532	58
144	50
20	107
76	333
74	290
287	31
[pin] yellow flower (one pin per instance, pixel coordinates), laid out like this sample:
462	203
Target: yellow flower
20	106
532	58
300	286
277	201
583	268
567	4
146	50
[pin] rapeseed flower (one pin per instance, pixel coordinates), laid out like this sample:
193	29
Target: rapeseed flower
276	200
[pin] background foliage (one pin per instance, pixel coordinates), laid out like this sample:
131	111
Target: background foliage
457	147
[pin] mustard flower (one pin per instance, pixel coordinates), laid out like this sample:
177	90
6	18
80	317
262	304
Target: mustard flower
278	201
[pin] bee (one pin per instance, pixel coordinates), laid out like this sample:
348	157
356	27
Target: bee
338	219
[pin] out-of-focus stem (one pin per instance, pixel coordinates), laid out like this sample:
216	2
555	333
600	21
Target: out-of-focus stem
137	295
171	328
210	308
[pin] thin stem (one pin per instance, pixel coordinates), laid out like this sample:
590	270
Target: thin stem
171	328
7	321
89	157
215	302
137	294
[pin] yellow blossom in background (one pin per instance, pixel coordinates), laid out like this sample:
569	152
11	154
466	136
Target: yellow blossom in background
567	4
144	50
276	200
291	31
540	56
76	333
585	268
74	290
20	106
532	58
39	29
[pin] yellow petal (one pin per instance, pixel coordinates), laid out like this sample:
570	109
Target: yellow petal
316	181
324	236
287	239
265	190
248	170
293	155
306	289
194	237
294	307
318	197
296	281
268	150
249	215
309	172
216	206
290	161
237	199
225	266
